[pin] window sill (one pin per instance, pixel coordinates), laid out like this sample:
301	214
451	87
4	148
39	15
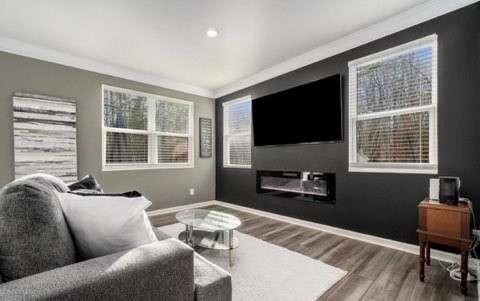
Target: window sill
399	170
237	166
120	167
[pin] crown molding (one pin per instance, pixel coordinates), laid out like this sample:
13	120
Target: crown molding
406	19
45	54
416	15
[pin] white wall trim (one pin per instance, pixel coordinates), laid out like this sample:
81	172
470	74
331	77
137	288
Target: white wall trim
401	21
179	208
430	171
45	54
406	19
384	242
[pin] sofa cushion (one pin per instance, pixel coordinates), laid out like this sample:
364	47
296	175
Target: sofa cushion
34	236
88	182
212	283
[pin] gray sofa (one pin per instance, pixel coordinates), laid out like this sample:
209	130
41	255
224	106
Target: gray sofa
38	260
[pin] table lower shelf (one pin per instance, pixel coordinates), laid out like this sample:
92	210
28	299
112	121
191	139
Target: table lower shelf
217	240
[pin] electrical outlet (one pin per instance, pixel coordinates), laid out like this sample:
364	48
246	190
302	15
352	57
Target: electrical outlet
192	191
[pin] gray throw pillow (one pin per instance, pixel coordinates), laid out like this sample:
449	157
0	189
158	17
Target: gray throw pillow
88	182
85	192
50	181
34	236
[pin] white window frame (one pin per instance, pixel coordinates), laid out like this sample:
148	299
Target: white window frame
227	136
151	132
376	167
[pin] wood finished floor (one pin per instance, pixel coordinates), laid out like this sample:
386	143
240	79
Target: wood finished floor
374	272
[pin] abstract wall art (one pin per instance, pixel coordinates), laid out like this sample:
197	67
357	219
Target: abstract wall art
44	130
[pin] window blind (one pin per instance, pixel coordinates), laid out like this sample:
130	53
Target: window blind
172	149
392	109
146	131
126	148
237	146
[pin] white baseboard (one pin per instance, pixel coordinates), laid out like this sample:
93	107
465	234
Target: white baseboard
384	242
179	208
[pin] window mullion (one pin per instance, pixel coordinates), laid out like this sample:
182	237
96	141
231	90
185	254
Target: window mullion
390	113
190	140
226	132
239	134
152	149
125	130
432	136
152	136
172	134
226	149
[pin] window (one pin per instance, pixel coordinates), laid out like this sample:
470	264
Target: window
237	136
393	109
142	131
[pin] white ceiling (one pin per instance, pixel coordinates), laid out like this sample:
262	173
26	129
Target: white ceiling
166	38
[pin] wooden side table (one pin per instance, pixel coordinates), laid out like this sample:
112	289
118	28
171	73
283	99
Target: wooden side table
445	225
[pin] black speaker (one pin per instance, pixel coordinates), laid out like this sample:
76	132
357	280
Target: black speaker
449	190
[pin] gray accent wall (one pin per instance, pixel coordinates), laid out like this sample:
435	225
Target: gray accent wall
164	187
380	204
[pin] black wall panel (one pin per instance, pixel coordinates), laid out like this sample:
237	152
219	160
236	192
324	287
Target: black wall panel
380	204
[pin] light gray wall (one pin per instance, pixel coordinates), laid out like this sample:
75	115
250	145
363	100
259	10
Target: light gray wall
164	187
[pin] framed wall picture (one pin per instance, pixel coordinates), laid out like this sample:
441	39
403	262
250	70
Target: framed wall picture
205	137
45	136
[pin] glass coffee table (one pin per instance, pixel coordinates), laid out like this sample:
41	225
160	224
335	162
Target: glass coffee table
208	228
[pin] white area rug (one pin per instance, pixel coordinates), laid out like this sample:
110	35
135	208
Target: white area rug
263	271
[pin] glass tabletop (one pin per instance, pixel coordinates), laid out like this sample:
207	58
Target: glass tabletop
208	219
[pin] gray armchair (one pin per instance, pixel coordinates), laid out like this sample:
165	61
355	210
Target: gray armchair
37	263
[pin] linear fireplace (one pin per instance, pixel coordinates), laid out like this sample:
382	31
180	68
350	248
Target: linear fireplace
306	185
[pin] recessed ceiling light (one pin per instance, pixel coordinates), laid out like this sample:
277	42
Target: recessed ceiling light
212	33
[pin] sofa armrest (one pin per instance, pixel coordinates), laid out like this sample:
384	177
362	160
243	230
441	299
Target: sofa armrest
162	270
212	283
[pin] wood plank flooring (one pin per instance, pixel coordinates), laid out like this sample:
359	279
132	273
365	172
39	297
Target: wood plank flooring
374	272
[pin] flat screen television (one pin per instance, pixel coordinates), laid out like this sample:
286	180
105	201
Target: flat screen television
308	113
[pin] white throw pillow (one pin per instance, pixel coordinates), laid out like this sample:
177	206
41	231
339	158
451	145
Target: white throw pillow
104	224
